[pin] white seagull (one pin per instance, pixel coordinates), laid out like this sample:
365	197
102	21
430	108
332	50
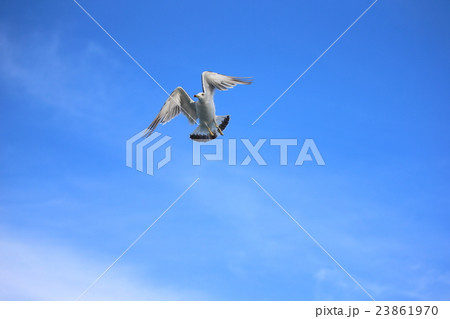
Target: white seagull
209	124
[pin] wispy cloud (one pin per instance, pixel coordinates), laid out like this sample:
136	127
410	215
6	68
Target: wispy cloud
43	269
69	80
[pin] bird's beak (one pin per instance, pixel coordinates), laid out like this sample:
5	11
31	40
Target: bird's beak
196	96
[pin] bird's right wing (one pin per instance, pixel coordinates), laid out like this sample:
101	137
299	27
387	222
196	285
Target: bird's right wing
213	80
178	102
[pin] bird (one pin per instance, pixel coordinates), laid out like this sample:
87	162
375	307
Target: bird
203	110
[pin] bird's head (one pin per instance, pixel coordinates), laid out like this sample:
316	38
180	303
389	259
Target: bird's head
200	96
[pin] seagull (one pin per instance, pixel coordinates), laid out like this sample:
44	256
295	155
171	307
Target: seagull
203	110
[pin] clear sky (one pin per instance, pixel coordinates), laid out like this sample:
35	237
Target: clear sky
376	105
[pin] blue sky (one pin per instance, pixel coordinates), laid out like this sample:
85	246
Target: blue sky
376	106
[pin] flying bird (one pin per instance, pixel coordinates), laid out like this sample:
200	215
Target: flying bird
202	111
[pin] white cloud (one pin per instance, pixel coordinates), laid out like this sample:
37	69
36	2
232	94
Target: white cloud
76	82
42	269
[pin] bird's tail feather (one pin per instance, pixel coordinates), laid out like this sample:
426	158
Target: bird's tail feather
202	134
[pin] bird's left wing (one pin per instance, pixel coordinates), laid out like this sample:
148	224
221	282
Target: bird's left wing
213	80
178	102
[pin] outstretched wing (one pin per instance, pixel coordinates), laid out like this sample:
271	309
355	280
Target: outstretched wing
178	102
212	80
